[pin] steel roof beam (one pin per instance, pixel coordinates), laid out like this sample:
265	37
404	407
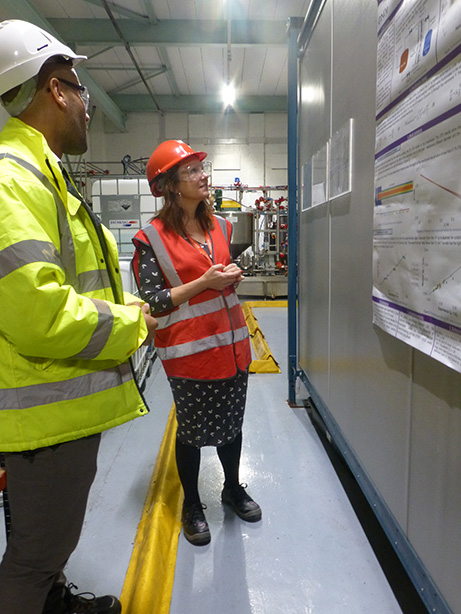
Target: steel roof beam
173	32
201	104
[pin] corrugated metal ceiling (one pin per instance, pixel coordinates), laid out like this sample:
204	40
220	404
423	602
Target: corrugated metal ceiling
173	55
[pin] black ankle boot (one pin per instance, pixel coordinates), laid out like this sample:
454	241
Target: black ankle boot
195	526
241	502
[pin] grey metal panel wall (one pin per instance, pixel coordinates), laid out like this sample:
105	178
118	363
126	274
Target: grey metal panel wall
398	409
366	387
314	248
434	510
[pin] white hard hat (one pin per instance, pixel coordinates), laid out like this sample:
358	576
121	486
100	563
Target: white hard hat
24	48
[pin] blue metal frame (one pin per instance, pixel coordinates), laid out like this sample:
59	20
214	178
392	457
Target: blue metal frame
299	33
294	28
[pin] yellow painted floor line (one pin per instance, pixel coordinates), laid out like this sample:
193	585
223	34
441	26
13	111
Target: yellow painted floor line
264	361
149	581
266	303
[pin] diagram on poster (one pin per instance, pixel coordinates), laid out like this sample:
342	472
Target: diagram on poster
417	214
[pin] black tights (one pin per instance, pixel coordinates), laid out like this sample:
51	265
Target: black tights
188	463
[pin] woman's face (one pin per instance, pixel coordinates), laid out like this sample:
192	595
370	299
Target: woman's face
193	180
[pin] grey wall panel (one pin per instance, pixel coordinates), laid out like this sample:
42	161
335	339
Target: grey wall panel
314	261
376	428
367	386
314	296
435	493
398	410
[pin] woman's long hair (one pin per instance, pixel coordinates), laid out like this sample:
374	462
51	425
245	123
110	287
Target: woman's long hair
172	214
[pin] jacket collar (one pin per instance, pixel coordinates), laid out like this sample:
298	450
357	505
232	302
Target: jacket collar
30	144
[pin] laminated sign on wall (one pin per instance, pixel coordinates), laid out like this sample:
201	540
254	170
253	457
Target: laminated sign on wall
417	213
120	211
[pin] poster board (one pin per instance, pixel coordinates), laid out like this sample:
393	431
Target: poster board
417	212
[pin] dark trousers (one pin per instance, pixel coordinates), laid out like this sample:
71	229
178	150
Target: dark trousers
188	463
48	492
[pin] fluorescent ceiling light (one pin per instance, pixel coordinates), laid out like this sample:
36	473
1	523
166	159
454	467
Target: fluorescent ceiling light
228	94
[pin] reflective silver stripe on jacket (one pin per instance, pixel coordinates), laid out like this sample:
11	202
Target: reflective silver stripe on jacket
201	345
88	281
187	311
19	254
67	244
92	281
30	251
101	334
76	388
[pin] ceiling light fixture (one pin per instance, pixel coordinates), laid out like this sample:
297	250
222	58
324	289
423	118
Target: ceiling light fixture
228	90
228	94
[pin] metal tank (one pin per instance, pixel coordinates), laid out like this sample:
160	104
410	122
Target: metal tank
242	230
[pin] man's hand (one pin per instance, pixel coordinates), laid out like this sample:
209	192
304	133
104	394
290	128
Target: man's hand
151	323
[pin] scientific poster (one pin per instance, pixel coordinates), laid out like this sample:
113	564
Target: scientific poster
417	213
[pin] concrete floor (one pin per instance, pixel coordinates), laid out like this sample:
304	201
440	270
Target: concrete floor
309	554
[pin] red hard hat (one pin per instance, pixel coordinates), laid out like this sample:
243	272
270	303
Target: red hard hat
165	157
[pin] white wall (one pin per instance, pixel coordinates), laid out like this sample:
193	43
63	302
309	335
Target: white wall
251	147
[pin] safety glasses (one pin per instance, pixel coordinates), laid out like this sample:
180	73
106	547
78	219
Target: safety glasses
82	90
192	172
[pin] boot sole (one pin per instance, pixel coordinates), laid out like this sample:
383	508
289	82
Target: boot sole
198	539
252	516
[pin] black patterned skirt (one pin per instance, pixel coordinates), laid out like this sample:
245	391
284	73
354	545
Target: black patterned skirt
209	412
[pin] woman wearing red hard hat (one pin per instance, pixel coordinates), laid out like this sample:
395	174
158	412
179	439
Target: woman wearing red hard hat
184	271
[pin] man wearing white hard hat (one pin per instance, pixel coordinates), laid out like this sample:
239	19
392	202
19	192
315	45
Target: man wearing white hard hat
67	329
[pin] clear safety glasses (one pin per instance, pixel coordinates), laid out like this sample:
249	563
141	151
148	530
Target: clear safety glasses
192	172
82	90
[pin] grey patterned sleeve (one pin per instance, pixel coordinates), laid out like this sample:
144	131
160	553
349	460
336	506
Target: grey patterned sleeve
152	283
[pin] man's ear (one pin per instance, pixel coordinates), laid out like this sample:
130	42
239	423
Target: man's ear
57	92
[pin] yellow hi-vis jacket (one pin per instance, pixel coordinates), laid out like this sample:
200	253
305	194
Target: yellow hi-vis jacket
65	343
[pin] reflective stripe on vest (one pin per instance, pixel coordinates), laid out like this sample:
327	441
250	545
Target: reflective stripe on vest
26	252
222	222
162	255
186	311
77	387
161	252
201	345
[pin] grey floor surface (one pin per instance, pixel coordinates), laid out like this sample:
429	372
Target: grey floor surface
308	554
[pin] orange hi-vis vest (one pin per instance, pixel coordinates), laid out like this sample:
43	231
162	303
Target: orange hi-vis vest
205	338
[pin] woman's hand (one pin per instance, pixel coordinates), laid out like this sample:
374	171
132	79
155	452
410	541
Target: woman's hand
219	277
238	272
